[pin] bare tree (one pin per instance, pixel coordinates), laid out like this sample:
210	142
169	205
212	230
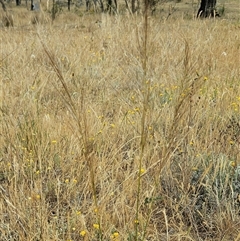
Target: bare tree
207	9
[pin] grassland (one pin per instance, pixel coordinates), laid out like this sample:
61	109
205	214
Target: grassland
107	136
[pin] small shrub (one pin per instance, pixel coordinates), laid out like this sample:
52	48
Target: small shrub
221	10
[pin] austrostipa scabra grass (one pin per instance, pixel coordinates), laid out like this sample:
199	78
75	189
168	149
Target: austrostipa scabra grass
80	118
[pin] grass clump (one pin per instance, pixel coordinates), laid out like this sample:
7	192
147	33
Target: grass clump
110	135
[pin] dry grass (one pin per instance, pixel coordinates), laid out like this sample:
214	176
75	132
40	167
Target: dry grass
73	97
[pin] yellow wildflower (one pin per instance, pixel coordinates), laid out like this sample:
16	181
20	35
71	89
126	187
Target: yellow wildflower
136	221
83	233
74	180
115	235
38	196
96	226
233	163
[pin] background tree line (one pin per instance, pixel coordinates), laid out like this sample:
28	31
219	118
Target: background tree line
206	9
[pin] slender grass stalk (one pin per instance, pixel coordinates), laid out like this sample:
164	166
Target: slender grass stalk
146	94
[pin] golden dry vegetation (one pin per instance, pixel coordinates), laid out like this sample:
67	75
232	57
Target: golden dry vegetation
111	131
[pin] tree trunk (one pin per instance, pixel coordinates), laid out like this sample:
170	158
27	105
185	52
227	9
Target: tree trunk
53	10
112	6
207	9
18	2
116	6
69	4
87	5
109	6
133	6
32	5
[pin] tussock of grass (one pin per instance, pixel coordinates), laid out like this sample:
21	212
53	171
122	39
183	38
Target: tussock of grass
72	99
